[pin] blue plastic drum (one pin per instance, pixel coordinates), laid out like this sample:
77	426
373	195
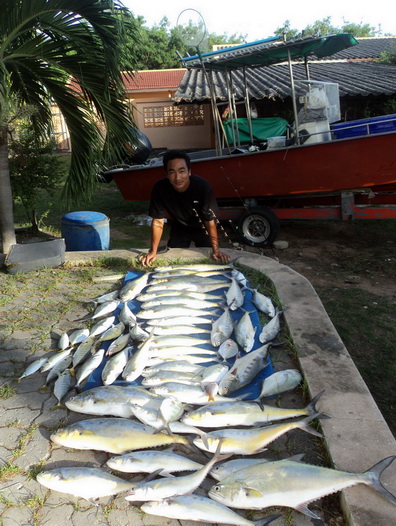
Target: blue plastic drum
85	231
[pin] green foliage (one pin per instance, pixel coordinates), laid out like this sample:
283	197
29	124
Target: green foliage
389	55
325	27
35	172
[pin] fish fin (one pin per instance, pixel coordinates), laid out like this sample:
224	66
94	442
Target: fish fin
303	424
152	475
311	406
375	472
302	508
296	458
253	492
267	520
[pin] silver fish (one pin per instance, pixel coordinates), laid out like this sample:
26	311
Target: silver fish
137	362
148	461
133	287
89	366
214	373
222	328
176	293
78	336
64	341
101	326
189	394
292	484
271	330
88	483
244	370
118	344
83	351
200	509
112	332
185	286
58	369
227	468
228	349
180	320
178	366
114	435
245	332
234	295
180	300
104	308
263	303
54	359
33	367
170	312
171	376
109	296
280	382
114	366
63	384
178	341
137	333
180	330
126	316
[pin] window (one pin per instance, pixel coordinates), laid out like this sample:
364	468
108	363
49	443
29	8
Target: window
165	116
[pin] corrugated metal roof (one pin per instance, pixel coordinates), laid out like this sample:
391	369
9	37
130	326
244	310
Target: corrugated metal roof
348	68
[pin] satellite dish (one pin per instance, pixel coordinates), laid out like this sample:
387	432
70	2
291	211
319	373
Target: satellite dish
191	19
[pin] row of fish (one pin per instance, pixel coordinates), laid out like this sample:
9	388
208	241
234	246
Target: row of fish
183	399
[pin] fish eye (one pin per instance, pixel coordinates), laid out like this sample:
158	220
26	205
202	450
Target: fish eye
216	488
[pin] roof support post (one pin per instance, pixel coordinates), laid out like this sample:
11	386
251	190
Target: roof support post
293	95
247	105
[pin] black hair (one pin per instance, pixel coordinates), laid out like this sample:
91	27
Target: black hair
170	155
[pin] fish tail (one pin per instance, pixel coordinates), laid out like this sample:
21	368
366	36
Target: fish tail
374	474
311	409
303	424
267	520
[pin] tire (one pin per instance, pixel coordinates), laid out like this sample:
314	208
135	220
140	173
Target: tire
258	227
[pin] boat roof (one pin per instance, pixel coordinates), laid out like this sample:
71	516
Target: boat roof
270	51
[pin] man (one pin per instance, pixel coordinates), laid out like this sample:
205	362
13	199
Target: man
189	202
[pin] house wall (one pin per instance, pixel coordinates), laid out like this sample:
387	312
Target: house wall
169	126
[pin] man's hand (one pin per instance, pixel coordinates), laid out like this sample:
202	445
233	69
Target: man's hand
148	259
220	256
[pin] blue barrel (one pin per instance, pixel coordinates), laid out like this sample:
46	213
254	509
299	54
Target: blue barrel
85	231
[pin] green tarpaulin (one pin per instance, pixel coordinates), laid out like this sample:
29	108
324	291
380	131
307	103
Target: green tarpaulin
262	129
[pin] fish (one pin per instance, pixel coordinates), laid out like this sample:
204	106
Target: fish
137	362
222	328
213	373
78	336
89	366
62	385
251	441
271	330
280	382
54	359
244	413
112	332
113	435
178	341
263	303
102	326
228	349
180	320
137	333
168	487
170	410
245	332
58	369
33	368
227	468
176	293
189	394
170	312
115	365
112	400
87	483
180	330
104	309
118	344
83	351
64	341
109	296
292	484
126	316
200	509
176	365
134	287
171	376
234	295
244	370
185	286
149	461
180	300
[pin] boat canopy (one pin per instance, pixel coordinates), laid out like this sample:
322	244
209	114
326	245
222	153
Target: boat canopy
270	51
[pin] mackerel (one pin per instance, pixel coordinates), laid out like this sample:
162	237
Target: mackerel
133	287
148	461
89	366
171	312
114	366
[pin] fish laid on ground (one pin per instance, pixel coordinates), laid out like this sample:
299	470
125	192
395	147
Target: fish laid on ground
127	317
214	373
88	483
137	362
178	341
164	462
118	344
54	359
104	309
64	341
114	435
112	332
58	369
180	320
178	366
263	303
250	441
115	365
292	484
171	376
228	349
244	370
168	487
222	328
112	400
101	326
33	367
89	366
271	330
227	468
234	295
244	413
62	385
134	287
137	333
180	330
185	286
83	351
280	382
200	509
176	293
78	336
189	394
171	312
180	300
245	332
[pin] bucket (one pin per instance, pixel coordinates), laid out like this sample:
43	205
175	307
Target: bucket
85	231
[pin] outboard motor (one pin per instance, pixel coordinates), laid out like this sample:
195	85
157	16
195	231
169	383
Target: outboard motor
140	148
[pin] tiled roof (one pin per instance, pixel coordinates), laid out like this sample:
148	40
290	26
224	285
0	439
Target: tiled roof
155	79
355	69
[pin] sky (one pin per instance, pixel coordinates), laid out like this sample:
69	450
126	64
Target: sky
259	19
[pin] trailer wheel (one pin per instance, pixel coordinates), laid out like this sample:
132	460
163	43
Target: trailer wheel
258	227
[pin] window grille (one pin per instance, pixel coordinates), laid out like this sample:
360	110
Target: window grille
167	116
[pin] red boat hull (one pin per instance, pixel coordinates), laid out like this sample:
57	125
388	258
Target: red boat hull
334	166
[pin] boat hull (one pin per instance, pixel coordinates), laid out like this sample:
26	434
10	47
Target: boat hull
333	166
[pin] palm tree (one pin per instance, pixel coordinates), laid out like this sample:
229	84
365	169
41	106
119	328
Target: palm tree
68	52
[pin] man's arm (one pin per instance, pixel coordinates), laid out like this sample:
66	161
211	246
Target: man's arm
157	227
214	241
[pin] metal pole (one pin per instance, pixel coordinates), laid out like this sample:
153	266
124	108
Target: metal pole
247	105
293	96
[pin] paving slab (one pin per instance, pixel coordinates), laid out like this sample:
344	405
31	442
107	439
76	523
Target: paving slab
356	436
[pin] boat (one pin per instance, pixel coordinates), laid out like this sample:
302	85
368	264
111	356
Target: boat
318	168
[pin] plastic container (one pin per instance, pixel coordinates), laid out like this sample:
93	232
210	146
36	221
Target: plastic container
358	128
85	231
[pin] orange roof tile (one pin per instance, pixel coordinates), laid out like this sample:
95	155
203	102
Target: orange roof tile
155	79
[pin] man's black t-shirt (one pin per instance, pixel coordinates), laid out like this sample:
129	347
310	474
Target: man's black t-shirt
179	206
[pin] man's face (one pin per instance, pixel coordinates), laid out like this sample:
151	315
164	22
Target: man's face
178	174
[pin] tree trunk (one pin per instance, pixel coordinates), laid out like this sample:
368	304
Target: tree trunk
6	205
